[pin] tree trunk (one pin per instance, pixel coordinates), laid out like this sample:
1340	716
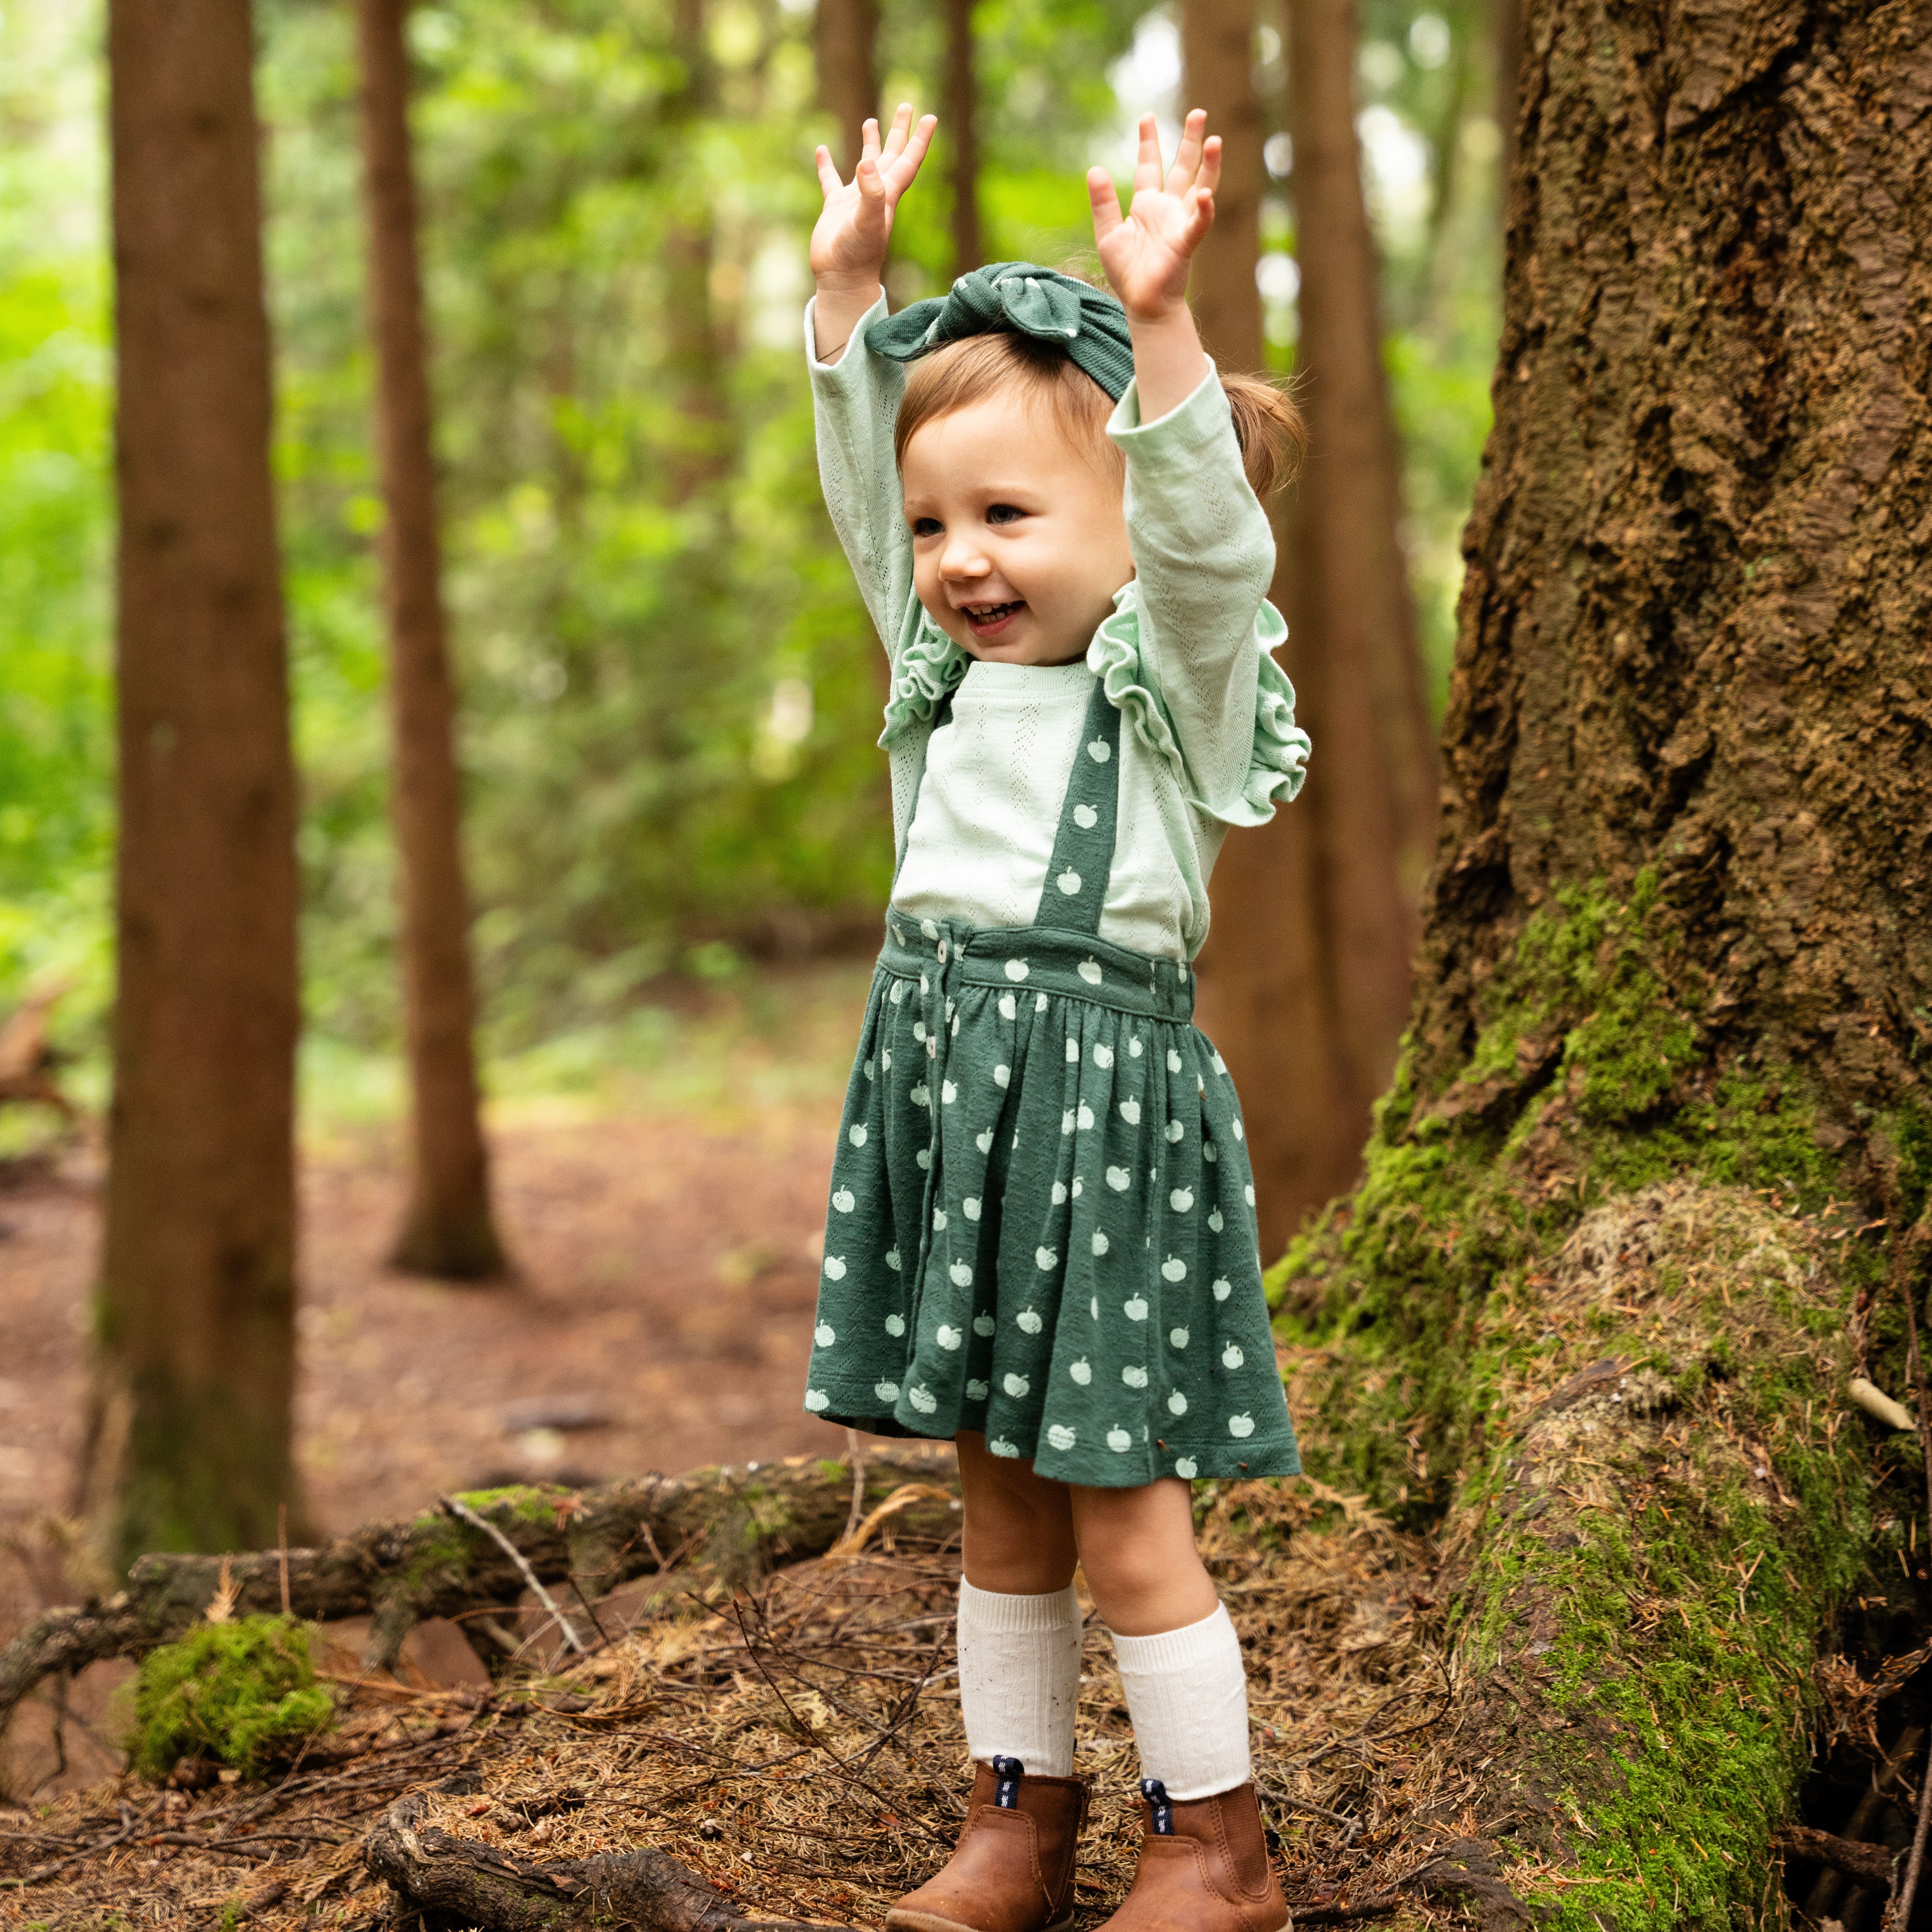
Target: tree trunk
845	41
960	118
448	1229
1217	60
1651	1181
1305	982
187	1440
694	357
1506	58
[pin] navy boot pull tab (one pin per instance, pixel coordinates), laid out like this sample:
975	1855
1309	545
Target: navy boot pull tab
1008	1772
1160	1807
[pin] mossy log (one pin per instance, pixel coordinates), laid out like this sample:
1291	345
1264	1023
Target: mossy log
459	1882
729	1523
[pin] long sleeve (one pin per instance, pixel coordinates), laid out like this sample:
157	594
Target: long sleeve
1186	653
855	403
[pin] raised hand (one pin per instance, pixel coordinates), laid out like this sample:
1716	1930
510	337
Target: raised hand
1147	251
848	243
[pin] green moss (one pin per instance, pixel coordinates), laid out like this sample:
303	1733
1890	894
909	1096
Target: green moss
243	1692
527	1502
1665	1625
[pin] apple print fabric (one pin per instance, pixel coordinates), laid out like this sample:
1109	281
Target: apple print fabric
1042	1222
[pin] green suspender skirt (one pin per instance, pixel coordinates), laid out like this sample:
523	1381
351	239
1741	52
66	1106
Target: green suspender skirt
1042	1223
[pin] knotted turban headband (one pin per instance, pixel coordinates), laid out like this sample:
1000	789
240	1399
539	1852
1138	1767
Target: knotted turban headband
1021	299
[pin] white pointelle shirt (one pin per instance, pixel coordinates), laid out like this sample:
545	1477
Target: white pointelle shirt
1211	739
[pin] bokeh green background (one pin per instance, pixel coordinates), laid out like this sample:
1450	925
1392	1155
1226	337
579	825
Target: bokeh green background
668	708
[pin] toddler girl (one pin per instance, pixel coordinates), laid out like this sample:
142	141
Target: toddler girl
1041	1240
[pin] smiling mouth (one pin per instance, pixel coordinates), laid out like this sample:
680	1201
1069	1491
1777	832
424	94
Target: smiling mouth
987	620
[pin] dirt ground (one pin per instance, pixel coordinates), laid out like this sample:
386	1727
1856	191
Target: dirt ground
665	1219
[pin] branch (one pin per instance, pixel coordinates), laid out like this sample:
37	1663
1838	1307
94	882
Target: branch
1870	1865
498	1891
731	1524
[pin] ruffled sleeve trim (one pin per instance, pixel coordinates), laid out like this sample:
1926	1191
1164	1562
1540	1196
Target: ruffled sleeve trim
1279	756
927	665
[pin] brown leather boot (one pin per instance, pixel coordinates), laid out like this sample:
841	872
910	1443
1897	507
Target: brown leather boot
1012	1870
1203	1867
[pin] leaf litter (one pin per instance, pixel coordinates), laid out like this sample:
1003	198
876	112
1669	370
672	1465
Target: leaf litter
799	1744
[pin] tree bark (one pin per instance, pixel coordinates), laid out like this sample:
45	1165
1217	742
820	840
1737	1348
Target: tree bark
845	41
727	1524
1648	1187
1304	983
187	1440
960	120
448	1228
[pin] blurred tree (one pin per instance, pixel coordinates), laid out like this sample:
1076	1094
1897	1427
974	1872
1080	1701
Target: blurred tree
845	43
1506	58
187	1436
959	129
694	359
448	1228
1305	981
1217	40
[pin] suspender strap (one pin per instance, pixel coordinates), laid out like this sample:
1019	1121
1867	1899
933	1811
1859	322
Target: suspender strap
1082	864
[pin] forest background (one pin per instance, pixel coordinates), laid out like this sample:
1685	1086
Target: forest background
668	685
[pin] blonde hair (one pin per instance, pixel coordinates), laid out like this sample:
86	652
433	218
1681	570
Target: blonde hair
1267	425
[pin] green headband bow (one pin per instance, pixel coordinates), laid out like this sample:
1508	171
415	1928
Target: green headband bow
1087	323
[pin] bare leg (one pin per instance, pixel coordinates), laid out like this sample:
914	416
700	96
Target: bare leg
1019	1527
1137	1549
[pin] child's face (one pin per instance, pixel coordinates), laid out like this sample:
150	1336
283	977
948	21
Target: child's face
1018	539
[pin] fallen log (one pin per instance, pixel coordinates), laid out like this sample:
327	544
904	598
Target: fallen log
730	1525
472	1884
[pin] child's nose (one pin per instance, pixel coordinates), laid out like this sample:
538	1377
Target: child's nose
962	556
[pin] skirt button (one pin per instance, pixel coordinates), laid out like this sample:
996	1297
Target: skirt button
942	952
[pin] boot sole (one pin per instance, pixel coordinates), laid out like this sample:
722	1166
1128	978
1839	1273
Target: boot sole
931	1921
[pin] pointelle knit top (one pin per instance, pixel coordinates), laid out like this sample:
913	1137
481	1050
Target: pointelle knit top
1211	740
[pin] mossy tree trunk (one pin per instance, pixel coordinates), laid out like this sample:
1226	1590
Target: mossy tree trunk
1593	1310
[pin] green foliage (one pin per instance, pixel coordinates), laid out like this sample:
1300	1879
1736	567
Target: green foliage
670	689
244	1692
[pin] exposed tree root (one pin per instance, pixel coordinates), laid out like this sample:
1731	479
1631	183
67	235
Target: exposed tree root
464	1882
731	1523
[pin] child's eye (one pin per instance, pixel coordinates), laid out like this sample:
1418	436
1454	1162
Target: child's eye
1004	513
926	526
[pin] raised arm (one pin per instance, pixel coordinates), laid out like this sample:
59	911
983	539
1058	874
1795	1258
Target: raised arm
848	242
856	398
1148	251
1203	551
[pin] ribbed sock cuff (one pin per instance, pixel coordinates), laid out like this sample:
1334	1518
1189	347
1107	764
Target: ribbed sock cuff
1168	1652
1000	1615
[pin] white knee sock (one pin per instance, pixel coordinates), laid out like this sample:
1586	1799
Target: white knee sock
1187	1695
1019	1676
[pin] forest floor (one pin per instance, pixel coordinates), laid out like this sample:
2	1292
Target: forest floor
661	1188
800	1746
